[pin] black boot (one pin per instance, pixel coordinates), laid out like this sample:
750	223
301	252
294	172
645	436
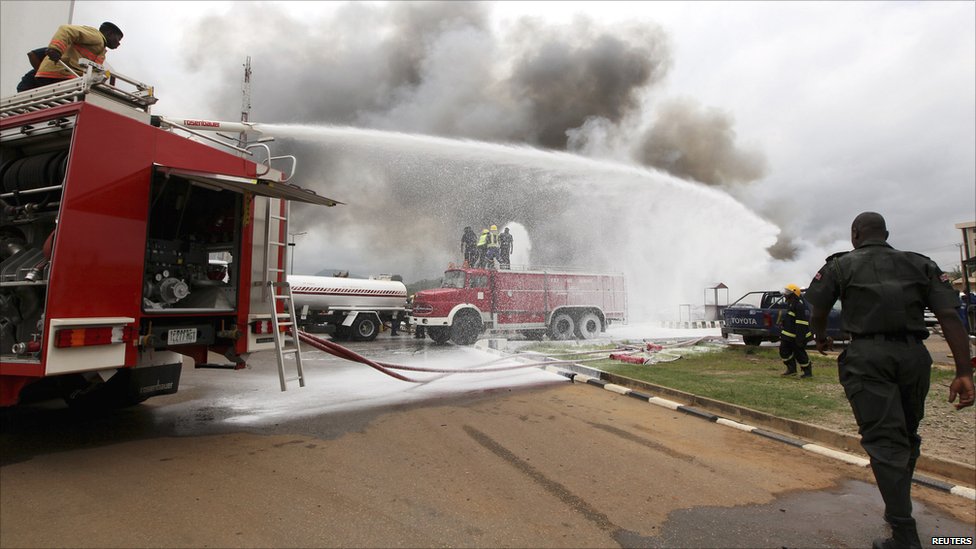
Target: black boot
904	534
807	371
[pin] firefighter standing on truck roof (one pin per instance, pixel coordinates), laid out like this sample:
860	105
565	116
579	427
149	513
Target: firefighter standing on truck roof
482	244
68	45
469	247
505	250
886	369
795	334
491	248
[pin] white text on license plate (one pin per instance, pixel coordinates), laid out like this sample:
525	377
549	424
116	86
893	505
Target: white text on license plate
181	336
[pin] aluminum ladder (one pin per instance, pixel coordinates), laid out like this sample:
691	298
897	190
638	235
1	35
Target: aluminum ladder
278	290
286	342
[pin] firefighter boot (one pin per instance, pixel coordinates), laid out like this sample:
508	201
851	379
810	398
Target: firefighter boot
790	368
807	371
904	534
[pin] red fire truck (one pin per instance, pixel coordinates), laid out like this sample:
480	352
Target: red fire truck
128	241
562	305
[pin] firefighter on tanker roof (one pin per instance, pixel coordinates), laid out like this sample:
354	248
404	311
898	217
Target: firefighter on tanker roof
482	244
492	247
795	334
505	249
68	45
469	247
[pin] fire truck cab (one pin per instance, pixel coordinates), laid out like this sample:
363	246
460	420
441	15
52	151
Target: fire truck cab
127	243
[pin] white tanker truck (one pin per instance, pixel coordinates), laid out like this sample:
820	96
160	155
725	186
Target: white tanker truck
348	308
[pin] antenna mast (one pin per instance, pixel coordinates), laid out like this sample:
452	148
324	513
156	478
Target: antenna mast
245	99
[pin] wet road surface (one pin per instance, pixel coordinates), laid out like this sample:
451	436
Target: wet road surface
357	459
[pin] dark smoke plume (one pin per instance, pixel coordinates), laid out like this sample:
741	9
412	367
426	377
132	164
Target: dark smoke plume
438	68
693	143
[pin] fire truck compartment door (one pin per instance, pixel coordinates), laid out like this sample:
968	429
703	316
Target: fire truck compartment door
261	187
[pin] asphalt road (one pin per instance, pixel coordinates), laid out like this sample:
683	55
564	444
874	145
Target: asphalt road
520	458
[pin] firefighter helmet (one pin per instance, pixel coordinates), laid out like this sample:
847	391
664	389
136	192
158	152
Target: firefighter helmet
494	228
791	289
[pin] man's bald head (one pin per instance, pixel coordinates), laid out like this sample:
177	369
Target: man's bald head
868	226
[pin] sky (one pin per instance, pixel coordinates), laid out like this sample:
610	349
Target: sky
748	134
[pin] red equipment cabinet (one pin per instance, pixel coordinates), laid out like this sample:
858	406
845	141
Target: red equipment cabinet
111	230
561	305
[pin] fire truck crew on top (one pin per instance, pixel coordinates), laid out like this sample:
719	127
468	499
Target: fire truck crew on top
68	45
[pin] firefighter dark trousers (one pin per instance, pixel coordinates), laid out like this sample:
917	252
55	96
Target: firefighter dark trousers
792	354
886	383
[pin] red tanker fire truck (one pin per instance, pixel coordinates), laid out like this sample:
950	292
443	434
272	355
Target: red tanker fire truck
128	241
561	305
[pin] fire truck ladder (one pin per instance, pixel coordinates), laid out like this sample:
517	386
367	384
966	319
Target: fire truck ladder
286	341
278	289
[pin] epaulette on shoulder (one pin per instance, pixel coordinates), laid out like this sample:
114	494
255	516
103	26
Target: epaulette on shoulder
920	255
835	256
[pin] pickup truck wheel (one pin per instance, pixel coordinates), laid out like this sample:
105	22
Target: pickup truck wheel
589	326
440	334
752	340
562	327
466	329
365	328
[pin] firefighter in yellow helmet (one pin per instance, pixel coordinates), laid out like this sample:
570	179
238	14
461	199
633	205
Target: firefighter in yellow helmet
492	246
795	333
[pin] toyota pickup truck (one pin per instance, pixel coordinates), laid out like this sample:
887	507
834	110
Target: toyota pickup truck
758	316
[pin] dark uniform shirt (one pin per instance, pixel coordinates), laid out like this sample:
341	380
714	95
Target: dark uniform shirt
882	290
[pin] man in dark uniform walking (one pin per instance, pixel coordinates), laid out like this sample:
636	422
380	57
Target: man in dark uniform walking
795	334
886	368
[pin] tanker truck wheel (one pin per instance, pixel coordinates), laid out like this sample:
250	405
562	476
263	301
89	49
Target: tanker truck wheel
562	327
365	328
440	334
589	326
466	329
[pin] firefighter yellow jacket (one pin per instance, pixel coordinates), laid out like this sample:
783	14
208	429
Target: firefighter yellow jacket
75	42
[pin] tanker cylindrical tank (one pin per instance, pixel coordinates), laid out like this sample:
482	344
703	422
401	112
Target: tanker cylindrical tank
326	292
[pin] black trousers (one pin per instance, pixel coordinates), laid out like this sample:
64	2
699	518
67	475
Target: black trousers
793	353
886	383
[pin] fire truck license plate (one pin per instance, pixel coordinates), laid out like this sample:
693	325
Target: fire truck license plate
181	336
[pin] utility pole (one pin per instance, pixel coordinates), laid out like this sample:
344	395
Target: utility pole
291	246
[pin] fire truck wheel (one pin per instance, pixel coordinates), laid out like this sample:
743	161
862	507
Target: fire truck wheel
440	334
562	327
365	328
589	326
466	329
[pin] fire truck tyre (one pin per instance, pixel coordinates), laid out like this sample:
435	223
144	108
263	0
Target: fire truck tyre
589	326
365	328
466	329
562	327
440	334
752	340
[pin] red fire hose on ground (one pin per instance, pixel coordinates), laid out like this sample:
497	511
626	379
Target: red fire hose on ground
387	368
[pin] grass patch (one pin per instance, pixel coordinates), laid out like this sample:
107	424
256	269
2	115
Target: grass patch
749	377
